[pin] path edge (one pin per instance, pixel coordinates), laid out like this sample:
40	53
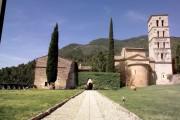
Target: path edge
135	116
52	109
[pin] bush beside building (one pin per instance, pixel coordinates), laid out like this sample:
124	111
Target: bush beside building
101	80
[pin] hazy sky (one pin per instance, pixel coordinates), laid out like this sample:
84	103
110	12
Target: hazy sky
28	24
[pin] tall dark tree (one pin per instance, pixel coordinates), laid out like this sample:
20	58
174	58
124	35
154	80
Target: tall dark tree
76	73
52	61
178	50
110	62
2	13
177	63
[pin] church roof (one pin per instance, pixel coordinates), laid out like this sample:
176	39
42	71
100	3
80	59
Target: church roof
137	57
117	57
58	57
133	48
62	62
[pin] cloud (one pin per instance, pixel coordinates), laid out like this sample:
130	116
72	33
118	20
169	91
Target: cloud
134	15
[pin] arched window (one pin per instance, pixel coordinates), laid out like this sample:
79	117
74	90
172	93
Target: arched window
163	33
161	56
162	22
158	44
157	33
157	23
164	44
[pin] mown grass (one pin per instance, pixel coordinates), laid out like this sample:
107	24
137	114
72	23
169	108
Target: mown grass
150	103
24	104
101	80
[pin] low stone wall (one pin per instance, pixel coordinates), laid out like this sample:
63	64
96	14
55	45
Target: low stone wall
14	86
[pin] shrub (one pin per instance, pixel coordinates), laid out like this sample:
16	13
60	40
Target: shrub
101	80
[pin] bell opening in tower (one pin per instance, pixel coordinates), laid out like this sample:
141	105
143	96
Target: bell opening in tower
157	23
162	23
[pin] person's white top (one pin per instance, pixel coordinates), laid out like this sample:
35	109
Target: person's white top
89	81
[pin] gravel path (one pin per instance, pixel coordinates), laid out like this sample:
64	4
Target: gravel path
91	105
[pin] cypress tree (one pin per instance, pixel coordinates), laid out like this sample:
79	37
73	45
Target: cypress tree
110	62
178	50
2	13
177	63
76	73
52	61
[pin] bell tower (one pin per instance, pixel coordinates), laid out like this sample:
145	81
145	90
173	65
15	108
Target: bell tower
159	47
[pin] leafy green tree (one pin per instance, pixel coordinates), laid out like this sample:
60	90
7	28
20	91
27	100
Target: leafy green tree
52	61
22	74
99	62
110	62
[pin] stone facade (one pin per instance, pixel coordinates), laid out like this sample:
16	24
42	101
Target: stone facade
139	70
159	47
65	77
135	67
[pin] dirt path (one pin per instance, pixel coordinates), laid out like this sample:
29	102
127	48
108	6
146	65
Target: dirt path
91	105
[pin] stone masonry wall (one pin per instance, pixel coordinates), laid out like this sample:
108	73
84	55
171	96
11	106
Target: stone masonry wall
65	74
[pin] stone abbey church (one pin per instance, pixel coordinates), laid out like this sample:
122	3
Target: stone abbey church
135	67
139	70
65	76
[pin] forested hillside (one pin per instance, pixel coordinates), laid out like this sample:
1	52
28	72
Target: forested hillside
83	53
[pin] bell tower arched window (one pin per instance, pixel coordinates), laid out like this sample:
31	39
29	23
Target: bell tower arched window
163	33
161	56
158	44
157	23
157	33
162	22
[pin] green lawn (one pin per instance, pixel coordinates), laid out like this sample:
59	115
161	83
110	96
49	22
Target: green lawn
150	103
101	80
23	104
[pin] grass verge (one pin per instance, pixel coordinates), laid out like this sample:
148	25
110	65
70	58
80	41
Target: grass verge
24	104
150	103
